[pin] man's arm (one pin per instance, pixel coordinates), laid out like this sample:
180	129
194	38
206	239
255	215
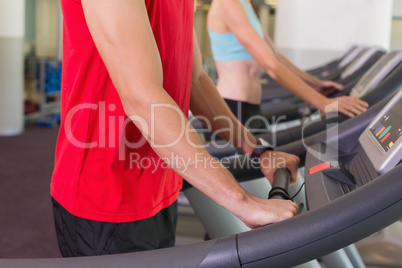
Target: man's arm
124	39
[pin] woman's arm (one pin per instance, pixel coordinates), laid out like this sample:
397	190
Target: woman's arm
324	87
234	17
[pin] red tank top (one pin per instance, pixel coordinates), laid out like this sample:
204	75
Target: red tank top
99	174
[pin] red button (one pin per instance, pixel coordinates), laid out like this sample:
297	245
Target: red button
319	167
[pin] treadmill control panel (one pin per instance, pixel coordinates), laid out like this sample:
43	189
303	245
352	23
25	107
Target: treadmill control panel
381	69
382	140
351	56
360	61
373	151
388	129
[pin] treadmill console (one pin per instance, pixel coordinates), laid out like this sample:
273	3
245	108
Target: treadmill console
382	140
356	51
333	171
360	61
384	66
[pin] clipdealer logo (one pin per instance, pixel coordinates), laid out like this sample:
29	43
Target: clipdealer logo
111	128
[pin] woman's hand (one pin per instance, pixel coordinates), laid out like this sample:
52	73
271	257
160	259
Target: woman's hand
347	105
327	88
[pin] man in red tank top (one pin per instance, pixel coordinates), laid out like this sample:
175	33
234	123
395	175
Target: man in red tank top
131	71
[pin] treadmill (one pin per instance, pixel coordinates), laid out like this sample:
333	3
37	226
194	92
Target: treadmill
332	67
383	79
218	221
327	69
346	75
372	203
337	168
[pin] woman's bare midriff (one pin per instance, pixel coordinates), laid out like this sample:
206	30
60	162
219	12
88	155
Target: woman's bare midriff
239	80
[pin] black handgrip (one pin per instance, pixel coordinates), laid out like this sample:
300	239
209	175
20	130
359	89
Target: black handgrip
280	185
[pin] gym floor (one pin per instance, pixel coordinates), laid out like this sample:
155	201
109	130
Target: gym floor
26	222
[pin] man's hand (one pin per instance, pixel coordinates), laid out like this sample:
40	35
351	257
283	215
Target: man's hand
256	212
271	161
273	210
267	211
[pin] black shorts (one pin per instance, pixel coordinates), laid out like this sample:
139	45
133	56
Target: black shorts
81	237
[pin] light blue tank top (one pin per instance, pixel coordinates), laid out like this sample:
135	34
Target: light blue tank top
226	47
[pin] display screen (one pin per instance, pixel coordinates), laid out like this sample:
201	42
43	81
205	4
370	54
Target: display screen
388	129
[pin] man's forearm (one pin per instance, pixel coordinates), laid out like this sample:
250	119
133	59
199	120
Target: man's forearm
177	143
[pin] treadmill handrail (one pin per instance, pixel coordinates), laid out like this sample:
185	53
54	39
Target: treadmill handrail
334	225
312	234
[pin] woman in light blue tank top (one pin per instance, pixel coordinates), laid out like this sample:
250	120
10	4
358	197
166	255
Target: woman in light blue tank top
240	48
